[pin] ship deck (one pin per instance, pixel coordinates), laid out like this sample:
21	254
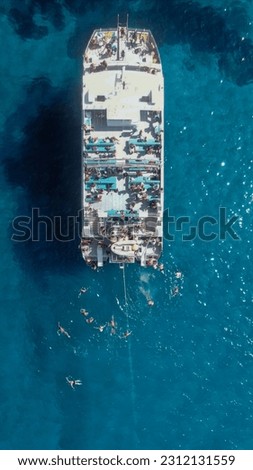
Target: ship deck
122	148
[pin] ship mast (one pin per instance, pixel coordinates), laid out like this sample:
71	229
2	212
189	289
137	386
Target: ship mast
118	38
119	25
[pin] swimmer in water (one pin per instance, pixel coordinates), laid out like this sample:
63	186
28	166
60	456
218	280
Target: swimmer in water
62	331
100	327
73	382
84	312
82	291
126	334
112	323
178	274
151	302
175	291
90	320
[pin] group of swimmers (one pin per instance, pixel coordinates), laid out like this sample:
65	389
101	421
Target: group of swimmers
112	324
89	319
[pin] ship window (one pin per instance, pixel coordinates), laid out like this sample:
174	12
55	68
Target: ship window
145	99
100	98
143	115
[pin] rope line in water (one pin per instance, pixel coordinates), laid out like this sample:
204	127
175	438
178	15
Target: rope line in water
124	283
130	360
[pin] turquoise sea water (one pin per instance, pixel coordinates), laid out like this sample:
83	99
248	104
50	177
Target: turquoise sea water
183	379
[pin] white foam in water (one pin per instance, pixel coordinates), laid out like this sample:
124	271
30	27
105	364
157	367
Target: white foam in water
120	306
146	293
144	277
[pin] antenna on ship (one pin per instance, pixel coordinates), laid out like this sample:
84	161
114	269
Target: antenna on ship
119	25
124	283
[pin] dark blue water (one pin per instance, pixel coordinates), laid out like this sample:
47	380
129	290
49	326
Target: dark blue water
183	379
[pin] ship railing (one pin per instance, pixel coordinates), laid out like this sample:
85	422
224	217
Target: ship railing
132	67
144	179
130	30
103	36
144	143
132	164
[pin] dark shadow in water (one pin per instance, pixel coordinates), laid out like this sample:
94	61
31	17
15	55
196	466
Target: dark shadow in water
205	30
21	14
47	165
24	26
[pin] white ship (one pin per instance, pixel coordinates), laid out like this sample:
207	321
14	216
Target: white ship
123	148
